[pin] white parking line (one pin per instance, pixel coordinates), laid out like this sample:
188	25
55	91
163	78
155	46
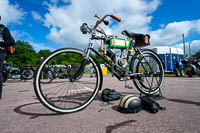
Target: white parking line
81	90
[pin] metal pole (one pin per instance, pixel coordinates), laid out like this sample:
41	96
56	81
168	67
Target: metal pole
190	50
183	45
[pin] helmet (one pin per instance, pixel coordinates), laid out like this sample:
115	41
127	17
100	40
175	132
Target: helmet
130	104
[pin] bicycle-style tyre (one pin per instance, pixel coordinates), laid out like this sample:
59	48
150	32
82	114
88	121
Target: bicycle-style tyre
47	75
27	74
64	95
150	71
75	69
189	73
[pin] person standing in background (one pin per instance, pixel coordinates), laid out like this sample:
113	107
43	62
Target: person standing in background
6	40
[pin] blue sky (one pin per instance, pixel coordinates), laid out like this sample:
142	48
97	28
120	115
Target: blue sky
55	24
176	10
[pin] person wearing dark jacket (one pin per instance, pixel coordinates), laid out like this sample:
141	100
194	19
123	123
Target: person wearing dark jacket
6	40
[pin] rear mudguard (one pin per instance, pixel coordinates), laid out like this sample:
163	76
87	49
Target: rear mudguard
135	56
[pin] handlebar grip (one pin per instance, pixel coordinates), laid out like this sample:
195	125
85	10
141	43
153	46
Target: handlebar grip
116	18
100	31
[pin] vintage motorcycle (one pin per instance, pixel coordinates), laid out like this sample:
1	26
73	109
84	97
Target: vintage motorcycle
196	63
189	68
141	66
23	72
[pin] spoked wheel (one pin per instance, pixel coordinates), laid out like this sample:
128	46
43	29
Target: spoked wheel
150	72
67	95
74	70
189	73
27	74
47	75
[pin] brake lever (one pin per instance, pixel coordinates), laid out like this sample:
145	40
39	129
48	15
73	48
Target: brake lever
104	21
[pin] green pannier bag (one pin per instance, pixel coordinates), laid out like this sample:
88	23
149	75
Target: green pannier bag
119	43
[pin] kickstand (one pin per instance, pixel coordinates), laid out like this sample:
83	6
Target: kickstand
126	85
154	97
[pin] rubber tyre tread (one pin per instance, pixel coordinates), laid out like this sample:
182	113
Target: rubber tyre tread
24	77
57	110
134	58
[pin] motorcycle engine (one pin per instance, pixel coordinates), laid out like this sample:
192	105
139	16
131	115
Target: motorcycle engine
121	58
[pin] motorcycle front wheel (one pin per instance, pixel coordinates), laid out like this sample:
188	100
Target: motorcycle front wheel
64	95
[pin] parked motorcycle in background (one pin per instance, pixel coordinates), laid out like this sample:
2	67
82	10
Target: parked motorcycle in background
189	68
196	63
12	72
27	72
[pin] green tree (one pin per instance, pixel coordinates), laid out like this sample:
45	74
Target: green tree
197	55
24	54
43	53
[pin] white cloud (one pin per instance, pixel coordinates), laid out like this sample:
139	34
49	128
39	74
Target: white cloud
56	1
36	16
195	46
18	34
172	33
40	46
36	45
65	21
10	13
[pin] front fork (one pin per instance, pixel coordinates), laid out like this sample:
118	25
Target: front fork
85	59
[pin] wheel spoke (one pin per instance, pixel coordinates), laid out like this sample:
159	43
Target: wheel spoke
150	65
62	93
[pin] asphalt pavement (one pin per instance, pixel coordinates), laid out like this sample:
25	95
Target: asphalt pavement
21	112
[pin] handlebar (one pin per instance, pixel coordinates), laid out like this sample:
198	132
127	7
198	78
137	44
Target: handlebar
116	18
102	19
100	31
85	29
